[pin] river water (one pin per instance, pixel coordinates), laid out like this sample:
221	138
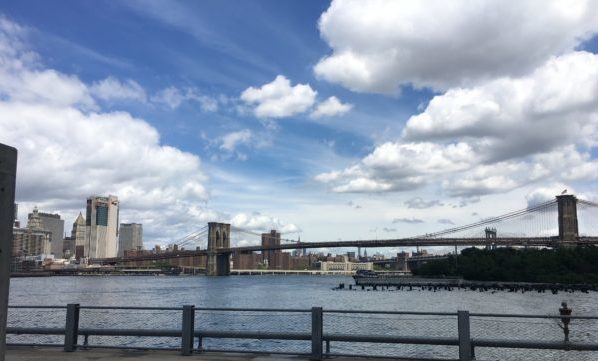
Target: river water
303	292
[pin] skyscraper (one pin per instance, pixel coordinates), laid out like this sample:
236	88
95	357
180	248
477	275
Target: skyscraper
130	237
78	237
101	227
50	223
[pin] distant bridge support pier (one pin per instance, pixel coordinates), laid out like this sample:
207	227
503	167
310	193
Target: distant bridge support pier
567	214
218	238
491	237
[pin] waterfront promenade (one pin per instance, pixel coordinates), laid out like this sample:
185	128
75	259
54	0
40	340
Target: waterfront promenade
54	354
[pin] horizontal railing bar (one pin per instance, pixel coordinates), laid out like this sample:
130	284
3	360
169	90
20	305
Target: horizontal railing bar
444	341
334	354
131	308
35	330
253	335
224	350
41	307
129	332
35	344
290	310
515	315
535	344
293	310
85	347
422	313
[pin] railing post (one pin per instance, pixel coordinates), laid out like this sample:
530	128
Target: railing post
71	328
8	171
464	336
317	329
188	330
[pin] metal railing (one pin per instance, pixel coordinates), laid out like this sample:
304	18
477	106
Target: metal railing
312	332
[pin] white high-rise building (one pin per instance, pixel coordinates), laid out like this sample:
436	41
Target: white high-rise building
130	237
101	227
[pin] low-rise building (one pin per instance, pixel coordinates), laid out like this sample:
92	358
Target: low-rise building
346	266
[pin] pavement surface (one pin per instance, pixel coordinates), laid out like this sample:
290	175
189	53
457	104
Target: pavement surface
56	354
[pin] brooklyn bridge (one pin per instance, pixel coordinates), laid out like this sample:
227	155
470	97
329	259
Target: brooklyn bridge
556	223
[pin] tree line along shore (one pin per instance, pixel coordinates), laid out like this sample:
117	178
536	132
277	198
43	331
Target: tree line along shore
578	265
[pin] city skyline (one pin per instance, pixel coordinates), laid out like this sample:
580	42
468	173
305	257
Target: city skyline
300	116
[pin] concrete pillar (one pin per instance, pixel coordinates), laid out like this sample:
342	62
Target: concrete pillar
567	215
8	171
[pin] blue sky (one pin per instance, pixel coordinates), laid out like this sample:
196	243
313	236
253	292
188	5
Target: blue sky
341	120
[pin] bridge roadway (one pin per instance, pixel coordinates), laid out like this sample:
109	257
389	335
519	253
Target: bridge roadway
399	242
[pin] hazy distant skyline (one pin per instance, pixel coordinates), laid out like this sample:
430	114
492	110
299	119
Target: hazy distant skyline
343	119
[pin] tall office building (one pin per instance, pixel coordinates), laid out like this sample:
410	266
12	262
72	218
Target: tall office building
50	223
75	244
101	227
130	238
17	224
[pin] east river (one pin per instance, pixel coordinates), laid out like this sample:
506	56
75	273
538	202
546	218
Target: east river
301	292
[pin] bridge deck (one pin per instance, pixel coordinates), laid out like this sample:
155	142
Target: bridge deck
400	242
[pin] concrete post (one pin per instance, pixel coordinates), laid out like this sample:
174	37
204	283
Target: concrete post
188	329
464	336
71	327
317	330
8	171
567	209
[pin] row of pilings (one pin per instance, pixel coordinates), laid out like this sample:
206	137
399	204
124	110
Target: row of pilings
473	286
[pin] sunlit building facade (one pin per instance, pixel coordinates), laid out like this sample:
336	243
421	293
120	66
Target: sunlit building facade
101	227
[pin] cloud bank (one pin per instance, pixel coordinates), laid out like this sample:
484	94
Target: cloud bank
379	45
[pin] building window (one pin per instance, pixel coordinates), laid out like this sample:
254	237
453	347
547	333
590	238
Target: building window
102	215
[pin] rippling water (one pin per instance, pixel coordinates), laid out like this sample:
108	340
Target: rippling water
299	292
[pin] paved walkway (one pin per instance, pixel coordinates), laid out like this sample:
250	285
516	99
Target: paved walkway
56	354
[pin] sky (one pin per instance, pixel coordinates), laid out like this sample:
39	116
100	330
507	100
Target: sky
329	120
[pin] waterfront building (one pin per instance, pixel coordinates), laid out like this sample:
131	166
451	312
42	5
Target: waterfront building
346	266
101	227
51	223
68	247
402	261
272	257
130	237
30	242
282	260
246	260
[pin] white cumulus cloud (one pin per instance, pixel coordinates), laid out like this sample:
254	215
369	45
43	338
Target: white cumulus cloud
69	149
493	137
279	99
331	107
379	45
